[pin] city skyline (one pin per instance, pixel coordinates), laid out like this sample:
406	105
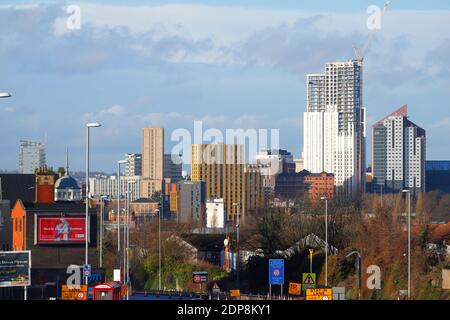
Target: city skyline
211	72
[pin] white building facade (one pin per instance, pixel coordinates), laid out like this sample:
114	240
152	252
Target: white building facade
107	186
215	214
31	156
133	166
399	154
334	126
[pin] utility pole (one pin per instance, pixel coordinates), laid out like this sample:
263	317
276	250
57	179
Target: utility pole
326	240
86	222
161	211
238	244
409	242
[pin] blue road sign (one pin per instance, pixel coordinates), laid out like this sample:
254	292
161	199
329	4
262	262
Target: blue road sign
276	271
87	270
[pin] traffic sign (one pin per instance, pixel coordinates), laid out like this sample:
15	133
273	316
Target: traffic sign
319	294
235	293
309	281
276	271
80	293
87	270
295	289
200	277
215	288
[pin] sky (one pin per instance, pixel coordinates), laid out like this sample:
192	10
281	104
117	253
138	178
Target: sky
230	64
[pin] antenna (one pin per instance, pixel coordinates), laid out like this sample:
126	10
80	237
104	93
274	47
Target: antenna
67	161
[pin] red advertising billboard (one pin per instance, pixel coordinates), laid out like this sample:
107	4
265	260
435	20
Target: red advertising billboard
51	229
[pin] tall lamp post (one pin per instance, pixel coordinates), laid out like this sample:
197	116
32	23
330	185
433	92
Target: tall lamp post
86	226
161	212
118	212
326	240
238	244
102	214
127	261
359	271
409	242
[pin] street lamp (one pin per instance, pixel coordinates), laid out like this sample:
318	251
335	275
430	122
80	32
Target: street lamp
127	272
326	240
118	211
88	127
238	244
160	212
102	214
359	271
409	242
5	95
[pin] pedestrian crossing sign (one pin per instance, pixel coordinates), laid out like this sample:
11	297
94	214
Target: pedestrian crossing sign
309	281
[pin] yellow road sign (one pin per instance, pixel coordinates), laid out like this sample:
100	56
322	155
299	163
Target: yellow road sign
80	293
309	280
295	288
319	294
235	293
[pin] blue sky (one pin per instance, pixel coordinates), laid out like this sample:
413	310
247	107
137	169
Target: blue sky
231	64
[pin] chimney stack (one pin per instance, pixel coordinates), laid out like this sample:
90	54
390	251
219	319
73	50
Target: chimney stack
45	185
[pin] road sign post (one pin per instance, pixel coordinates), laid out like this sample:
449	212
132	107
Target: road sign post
295	289
309	281
319	294
276	274
200	277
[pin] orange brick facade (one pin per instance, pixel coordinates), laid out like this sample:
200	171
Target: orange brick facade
320	185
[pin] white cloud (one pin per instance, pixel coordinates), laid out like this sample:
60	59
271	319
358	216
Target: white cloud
444	123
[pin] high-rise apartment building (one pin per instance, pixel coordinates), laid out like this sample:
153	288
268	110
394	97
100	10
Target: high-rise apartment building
133	167
334	126
192	199
399	154
152	161
173	168
31	156
222	168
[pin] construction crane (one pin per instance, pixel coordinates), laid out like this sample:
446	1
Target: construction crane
360	55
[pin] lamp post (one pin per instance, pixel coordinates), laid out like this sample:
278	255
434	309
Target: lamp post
326	240
86	226
118	212
102	214
161	212
127	273
359	271
238	245
409	242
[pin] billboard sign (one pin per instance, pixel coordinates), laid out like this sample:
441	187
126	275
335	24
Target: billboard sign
80	293
59	229
15	268
319	294
199	277
276	271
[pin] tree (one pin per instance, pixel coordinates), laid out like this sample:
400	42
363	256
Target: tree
156	197
270	231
